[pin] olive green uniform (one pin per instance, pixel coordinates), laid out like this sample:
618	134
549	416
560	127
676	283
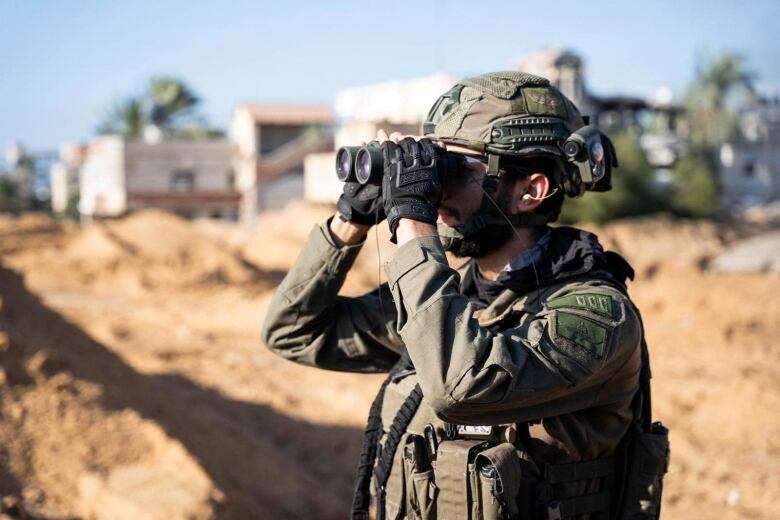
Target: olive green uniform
564	357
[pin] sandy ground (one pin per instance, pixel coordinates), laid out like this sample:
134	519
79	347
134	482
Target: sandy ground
133	383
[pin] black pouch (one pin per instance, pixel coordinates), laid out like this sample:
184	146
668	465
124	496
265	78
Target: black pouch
648	462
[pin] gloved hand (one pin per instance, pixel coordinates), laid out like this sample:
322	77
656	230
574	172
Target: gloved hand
411	186
361	203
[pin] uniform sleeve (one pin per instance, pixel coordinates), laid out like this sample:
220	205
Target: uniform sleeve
556	362
307	322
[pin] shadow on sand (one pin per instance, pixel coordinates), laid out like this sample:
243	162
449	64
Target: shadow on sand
267	465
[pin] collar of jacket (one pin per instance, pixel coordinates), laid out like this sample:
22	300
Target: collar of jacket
567	253
562	254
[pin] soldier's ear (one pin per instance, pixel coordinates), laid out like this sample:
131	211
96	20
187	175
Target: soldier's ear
530	192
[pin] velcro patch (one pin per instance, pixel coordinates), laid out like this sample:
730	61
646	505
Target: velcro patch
581	331
544	101
601	304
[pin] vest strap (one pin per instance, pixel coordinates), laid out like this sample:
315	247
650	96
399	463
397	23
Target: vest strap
587	470
385	463
582	505
371	436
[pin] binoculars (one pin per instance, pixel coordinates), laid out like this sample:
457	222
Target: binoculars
362	164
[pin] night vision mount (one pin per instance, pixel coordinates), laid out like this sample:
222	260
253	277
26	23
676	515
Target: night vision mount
591	157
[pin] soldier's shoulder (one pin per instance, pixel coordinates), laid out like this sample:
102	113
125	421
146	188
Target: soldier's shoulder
591	321
594	298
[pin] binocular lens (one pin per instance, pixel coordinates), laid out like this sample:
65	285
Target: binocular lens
363	166
343	164
359	164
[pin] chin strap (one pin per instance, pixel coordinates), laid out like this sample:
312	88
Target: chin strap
487	215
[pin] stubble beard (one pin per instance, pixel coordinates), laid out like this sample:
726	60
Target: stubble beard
488	239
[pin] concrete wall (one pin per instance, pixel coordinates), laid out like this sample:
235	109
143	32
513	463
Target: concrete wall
154	167
275	194
749	175
118	176
102	179
319	179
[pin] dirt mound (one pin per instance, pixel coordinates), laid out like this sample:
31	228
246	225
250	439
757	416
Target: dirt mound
131	381
663	240
93	244
28	232
166	244
72	447
277	235
95	437
144	250
28	223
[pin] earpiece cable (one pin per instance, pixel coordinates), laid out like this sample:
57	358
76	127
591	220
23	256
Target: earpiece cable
508	221
553	192
379	265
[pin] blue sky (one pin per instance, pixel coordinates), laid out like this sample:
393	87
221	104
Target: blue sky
62	64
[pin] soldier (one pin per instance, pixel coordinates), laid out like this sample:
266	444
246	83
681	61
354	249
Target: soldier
517	381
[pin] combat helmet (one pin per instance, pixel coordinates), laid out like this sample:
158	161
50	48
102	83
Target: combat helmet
518	115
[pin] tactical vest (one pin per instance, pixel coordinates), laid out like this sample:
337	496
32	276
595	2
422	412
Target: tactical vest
420	467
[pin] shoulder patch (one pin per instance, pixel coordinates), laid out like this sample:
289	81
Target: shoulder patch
602	304
582	332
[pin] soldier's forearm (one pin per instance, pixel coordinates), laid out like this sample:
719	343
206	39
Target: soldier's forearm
307	292
409	229
308	322
347	233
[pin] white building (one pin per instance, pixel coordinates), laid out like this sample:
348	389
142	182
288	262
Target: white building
64	176
259	168
272	142
749	168
190	178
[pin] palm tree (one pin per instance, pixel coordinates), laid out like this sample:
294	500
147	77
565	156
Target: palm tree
717	82
125	118
167	103
170	99
712	120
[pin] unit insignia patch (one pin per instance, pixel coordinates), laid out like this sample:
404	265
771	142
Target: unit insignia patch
601	304
582	331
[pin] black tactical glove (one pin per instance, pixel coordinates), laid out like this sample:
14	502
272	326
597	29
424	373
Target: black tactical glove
411	186
361	203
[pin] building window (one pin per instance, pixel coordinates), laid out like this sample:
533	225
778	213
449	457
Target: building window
231	179
183	180
749	170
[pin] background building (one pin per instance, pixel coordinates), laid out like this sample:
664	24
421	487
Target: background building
260	167
65	178
749	167
271	143
190	178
